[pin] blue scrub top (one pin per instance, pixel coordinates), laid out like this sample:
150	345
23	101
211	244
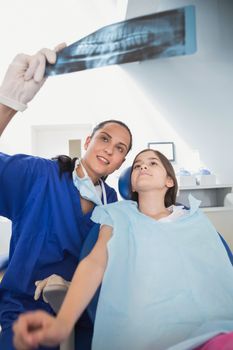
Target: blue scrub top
48	229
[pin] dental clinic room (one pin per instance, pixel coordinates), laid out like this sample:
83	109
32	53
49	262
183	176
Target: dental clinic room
161	73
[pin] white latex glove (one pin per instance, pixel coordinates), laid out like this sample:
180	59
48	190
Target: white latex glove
24	78
51	280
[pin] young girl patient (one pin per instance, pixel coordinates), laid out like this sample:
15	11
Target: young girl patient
167	282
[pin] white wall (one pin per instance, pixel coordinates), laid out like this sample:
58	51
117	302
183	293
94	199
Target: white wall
187	100
193	94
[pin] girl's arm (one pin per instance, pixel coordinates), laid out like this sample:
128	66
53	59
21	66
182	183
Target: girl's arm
37	328
87	278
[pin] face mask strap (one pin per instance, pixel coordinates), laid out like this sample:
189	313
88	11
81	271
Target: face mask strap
103	192
78	163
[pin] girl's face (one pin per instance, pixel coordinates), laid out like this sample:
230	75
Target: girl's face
106	150
148	173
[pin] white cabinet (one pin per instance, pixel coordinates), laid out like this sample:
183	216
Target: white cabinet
222	219
210	196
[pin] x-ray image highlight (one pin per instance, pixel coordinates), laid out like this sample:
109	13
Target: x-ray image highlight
163	34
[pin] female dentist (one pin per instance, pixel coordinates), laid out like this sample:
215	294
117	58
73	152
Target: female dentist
49	202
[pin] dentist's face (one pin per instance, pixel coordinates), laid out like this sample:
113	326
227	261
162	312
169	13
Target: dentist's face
106	150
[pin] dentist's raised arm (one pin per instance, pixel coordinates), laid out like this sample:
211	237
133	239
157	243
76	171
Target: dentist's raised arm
22	81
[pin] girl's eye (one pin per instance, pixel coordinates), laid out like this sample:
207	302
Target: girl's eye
153	163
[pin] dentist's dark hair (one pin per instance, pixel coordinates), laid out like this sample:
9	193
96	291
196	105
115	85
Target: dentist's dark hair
170	196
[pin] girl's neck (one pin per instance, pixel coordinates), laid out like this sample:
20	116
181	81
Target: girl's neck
152	204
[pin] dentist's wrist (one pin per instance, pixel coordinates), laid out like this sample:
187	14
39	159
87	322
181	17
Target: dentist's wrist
13	104
6	111
6	114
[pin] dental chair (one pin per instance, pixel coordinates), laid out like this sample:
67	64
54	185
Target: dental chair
56	293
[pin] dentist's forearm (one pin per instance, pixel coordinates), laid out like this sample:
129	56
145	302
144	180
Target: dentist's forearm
6	114
85	282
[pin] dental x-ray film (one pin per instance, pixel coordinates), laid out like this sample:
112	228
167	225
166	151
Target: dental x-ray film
163	34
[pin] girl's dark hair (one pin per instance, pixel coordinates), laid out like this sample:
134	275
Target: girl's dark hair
66	164
170	196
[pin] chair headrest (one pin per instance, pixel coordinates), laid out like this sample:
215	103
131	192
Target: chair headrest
124	183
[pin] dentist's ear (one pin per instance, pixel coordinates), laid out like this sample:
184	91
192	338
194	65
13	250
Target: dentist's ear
86	144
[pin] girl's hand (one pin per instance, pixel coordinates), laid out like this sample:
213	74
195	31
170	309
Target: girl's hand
38	328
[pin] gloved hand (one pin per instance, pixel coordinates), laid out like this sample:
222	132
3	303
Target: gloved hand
51	280
24	78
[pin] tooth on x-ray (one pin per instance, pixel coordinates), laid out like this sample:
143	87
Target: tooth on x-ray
163	34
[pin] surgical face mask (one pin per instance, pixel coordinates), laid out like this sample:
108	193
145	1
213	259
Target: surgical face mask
86	187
